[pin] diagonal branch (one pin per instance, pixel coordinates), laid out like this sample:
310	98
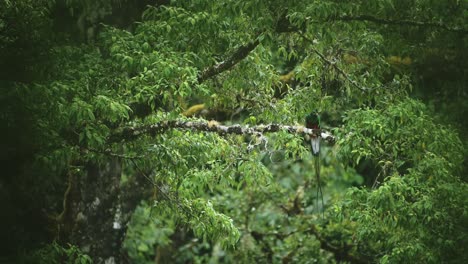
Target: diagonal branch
235	58
339	253
143	109
130	133
402	23
333	64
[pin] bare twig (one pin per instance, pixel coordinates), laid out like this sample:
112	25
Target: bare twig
167	194
333	64
403	22
108	152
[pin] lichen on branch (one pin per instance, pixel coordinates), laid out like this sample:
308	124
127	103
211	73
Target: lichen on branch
129	133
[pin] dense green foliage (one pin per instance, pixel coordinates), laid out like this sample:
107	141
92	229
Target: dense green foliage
388	76
56	254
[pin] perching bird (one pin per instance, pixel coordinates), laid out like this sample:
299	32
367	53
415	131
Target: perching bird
313	122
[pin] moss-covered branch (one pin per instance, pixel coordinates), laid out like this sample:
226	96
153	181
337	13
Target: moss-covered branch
129	133
227	64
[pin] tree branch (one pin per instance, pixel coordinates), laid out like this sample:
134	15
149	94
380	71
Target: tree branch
129	133
236	57
333	64
401	22
340	253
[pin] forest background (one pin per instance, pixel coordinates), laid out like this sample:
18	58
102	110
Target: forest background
140	131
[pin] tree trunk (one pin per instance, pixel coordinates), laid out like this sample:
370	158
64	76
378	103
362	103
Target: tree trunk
95	208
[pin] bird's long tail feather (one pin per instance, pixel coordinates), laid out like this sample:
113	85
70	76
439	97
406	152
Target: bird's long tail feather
319	186
315	144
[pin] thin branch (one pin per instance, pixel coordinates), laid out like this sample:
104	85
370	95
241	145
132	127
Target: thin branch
167	194
404	22
340	253
213	70
129	133
227	64
108	152
333	64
